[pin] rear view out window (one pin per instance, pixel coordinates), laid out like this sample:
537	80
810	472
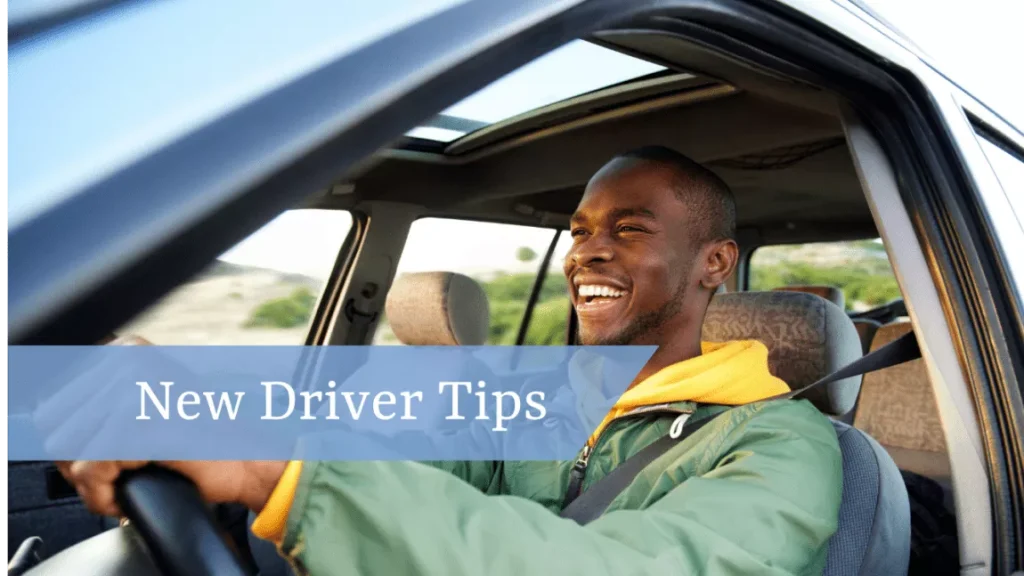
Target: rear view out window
505	260
859	268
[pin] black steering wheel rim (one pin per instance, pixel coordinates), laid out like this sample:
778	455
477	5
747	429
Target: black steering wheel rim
166	510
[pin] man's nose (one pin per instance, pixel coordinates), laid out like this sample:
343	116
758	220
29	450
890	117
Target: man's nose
595	249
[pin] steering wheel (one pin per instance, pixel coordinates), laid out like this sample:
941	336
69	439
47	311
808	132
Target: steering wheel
165	509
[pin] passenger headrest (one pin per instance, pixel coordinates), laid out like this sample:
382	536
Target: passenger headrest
438	309
807	337
830	293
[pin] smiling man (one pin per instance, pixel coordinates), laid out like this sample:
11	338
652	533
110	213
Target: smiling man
755	491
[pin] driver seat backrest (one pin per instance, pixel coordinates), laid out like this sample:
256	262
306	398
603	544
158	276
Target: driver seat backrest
809	337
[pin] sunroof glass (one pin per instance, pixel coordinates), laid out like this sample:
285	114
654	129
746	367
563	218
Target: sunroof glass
576	68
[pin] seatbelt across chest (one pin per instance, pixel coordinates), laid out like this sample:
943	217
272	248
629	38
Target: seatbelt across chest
589	505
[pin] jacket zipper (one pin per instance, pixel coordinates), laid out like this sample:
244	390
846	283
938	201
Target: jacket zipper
579	469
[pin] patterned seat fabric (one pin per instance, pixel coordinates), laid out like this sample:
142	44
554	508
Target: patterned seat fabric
897	408
807	337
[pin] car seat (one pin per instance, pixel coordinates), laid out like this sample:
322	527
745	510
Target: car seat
809	337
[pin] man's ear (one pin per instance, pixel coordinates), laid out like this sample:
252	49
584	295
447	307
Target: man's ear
719	263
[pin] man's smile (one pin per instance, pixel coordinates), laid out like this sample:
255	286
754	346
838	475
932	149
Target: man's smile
599	296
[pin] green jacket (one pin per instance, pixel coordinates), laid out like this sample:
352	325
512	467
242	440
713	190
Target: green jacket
756	491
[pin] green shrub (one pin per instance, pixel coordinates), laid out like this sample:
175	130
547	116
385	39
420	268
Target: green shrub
548	323
289	312
526	254
508	295
505	318
869	282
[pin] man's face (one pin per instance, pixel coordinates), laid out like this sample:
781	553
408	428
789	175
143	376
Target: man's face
632	262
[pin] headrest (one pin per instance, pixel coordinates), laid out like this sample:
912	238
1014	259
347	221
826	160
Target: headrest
830	293
438	309
807	337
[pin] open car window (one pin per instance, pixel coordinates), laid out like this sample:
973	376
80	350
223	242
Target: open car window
860	268
504	259
262	291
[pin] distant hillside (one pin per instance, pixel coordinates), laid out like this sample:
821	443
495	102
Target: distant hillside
222	268
860	269
215	307
864	252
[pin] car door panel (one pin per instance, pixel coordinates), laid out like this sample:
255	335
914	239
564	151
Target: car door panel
41	503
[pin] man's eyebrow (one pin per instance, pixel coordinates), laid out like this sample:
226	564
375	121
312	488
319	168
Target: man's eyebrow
579	218
627	212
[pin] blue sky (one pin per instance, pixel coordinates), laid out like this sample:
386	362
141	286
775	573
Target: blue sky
978	43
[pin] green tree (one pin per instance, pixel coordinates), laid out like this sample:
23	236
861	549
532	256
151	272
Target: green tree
288	312
526	254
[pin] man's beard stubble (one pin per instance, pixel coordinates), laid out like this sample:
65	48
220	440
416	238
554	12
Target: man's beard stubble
643	325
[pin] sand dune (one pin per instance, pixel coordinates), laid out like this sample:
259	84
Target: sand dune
214	308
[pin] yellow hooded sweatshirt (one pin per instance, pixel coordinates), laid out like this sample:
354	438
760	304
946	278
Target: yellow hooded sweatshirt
727	373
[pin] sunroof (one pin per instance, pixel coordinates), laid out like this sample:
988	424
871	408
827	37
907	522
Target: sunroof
576	68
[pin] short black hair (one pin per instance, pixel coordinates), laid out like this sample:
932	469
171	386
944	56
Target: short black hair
697	186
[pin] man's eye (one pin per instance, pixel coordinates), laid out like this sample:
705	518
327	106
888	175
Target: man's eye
629	228
577	232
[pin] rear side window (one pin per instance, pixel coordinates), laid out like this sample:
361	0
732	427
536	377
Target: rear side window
859	268
1009	169
505	259
262	291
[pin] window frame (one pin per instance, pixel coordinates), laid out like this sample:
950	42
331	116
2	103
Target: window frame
326	307
985	132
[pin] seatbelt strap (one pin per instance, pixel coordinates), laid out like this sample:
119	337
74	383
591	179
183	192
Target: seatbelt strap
591	504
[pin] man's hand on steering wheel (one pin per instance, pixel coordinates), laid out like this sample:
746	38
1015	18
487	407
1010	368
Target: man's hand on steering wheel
247	483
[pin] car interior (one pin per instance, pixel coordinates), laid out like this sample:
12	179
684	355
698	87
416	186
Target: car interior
782	147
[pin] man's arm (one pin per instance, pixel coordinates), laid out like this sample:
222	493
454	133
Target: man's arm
768	507
482	475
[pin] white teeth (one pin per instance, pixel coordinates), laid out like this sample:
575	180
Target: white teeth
587	290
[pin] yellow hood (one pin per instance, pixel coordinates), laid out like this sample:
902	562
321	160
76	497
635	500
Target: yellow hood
729	373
